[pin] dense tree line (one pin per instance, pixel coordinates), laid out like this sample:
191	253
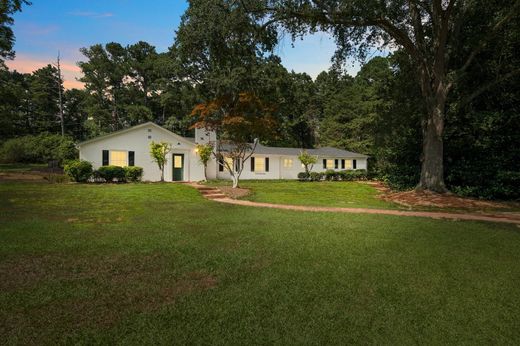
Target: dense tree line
223	49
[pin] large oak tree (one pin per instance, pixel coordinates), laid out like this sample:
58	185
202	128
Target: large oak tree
429	31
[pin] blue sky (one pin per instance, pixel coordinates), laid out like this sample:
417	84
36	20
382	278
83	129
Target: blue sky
65	25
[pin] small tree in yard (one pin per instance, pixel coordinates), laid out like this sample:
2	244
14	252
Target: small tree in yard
307	161
159	151
204	151
238	120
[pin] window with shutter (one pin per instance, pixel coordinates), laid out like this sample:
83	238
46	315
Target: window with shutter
343	164
354	164
324	164
336	164
267	164
252	164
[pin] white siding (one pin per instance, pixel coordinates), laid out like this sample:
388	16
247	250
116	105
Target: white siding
277	171
137	140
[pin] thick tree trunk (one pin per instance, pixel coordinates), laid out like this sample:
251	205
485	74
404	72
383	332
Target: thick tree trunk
432	169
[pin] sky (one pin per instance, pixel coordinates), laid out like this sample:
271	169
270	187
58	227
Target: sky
49	26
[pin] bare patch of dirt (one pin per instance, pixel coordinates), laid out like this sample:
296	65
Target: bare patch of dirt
236	193
414	198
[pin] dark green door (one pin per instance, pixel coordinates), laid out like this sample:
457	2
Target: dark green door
178	167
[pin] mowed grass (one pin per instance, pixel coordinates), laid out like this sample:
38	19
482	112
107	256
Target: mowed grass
158	264
350	194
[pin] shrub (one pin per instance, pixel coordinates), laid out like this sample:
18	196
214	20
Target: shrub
111	173
360	174
303	176
133	173
330	174
342	175
38	149
78	170
316	176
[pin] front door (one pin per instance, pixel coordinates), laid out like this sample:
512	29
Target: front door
178	167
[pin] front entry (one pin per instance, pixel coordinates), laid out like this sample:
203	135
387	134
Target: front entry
178	167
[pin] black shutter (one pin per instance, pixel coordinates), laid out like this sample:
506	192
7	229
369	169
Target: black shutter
336	164
324	164
221	165
131	158
105	158
267	164
354	164
342	164
252	164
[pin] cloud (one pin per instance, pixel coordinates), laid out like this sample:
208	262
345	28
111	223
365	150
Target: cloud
91	14
26	64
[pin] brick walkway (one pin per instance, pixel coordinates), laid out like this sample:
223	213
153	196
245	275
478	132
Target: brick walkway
215	194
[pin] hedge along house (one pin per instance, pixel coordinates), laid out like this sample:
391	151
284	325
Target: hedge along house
131	147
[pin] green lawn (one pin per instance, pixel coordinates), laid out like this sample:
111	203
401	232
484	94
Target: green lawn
158	264
326	193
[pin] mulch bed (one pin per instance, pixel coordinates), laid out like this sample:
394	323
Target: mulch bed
234	193
431	199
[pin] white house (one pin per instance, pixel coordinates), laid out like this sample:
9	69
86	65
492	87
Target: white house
131	147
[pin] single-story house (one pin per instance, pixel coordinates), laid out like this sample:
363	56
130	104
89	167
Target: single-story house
131	147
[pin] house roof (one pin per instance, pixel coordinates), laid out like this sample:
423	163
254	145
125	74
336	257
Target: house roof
322	152
260	149
190	141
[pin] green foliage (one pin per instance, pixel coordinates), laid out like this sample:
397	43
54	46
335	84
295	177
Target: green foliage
133	174
316	176
303	176
38	149
204	151
330	175
307	160
112	174
7	9
78	170
159	152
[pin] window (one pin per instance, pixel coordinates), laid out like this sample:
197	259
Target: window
177	161
287	163
330	164
259	164
348	164
118	158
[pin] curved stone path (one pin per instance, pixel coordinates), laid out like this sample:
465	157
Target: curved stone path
215	194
